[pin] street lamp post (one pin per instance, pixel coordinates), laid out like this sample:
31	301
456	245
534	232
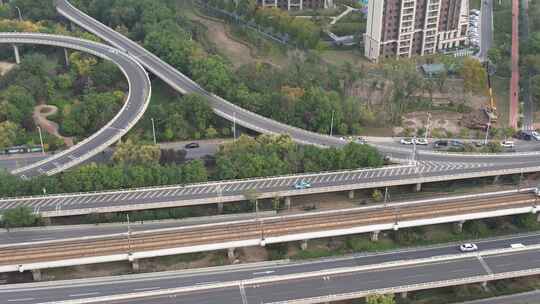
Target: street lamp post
20	15
427	127
332	124
41	140
153	130
234	126
487	130
128	234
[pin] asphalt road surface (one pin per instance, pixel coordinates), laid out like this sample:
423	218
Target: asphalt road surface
133	107
73	289
486	31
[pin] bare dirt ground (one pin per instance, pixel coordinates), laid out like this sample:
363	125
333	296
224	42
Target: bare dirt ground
6	67
448	121
41	112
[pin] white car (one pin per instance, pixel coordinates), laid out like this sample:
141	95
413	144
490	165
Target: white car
468	247
535	135
507	144
406	141
421	141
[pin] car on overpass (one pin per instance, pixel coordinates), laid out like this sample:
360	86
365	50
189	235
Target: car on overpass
299	185
406	141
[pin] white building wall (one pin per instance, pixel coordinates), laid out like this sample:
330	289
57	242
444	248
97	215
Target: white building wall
373	36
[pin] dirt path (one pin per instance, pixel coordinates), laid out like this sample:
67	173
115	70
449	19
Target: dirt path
40	115
6	67
237	52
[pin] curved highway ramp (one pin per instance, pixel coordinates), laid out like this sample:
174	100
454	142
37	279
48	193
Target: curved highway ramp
133	109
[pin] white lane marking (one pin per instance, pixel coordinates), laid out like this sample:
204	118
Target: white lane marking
264	272
147	288
42	239
175	192
84	294
21	300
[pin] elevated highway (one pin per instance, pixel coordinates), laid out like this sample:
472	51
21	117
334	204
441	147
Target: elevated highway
262	231
321	280
268	187
132	110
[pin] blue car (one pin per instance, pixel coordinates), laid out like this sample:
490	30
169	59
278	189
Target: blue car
302	185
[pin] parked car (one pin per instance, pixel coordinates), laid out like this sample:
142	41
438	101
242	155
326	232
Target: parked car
456	143
507	144
406	141
421	141
468	247
192	145
360	140
299	185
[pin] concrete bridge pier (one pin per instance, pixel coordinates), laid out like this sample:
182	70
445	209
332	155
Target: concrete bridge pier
66	57
287	202
17	55
220	208
538	217
496	179
375	236
351	194
230	254
36	275
458	227
303	245
418	187
135	266
484	286
404	295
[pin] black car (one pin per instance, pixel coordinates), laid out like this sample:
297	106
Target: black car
440	143
523	135
192	145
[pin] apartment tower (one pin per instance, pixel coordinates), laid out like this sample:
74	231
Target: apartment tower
403	28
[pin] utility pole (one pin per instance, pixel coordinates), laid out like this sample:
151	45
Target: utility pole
414	150
332	124
154	130
41	140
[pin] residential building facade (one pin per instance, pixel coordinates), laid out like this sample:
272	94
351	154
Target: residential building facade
403	28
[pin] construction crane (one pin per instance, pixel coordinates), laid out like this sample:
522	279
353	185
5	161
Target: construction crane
491	109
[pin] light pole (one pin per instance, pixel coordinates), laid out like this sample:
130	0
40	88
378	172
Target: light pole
153	130
41	140
487	130
20	15
234	126
427	126
385	195
128	234
332	123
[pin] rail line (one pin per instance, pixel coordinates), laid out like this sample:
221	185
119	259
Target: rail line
254	229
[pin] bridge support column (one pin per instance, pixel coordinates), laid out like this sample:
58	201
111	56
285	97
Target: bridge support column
230	254
135	266
375	236
484	286
418	187
303	245
220	208
538	217
66	57
351	194
404	295
458	227
36	275
288	202
496	179
17	55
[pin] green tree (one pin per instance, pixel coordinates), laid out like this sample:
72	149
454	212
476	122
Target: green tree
474	75
129	152
19	217
8	133
380	299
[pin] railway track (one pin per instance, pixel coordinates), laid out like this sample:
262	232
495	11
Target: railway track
253	229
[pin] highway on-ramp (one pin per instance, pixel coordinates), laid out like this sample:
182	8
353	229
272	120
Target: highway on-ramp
132	110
